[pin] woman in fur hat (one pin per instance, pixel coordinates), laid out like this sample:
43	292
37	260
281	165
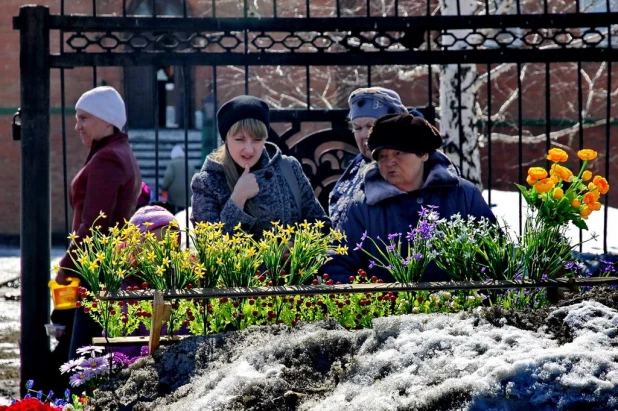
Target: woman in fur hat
248	181
408	173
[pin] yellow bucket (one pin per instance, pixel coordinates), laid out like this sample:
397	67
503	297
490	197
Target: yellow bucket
64	296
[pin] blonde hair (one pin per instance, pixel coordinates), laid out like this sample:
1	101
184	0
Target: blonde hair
256	129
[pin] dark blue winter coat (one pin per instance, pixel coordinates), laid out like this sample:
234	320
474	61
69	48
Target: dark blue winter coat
381	209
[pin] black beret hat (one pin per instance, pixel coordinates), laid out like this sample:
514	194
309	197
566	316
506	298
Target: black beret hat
240	108
403	132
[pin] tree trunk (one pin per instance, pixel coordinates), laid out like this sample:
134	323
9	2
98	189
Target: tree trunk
457	101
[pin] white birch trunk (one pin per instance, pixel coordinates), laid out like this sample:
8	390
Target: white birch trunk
456	138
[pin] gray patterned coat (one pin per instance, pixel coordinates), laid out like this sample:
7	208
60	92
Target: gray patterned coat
211	196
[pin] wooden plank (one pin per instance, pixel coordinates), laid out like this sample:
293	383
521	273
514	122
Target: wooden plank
160	310
137	340
239	292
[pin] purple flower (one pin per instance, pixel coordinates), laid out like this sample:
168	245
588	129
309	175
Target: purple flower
90	349
544	277
371	264
143	351
121	359
394	236
518	277
418	256
70	366
390	248
94	364
364	236
79	378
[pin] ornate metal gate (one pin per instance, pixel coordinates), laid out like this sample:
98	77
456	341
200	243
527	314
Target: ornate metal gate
368	43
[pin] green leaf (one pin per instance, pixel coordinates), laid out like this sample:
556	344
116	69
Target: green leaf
579	223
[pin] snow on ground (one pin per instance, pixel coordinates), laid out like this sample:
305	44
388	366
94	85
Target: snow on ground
505	205
413	362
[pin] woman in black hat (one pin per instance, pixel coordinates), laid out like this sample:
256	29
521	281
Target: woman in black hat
408	174
248	181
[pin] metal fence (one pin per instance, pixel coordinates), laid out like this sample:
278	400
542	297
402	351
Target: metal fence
511	58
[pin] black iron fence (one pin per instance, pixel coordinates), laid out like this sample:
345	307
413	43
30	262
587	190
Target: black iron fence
504	80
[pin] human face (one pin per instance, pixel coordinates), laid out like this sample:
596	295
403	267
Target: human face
91	128
245	149
361	127
401	169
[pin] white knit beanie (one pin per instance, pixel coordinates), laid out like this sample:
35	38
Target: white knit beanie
177	152
105	103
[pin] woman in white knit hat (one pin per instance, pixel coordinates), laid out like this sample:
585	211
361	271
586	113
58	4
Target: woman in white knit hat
109	182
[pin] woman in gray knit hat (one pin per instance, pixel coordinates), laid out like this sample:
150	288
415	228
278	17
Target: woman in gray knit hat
248	181
366	106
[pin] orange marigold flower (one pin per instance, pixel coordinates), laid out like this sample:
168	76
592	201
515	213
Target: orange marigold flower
586	175
596	206
557	155
558	193
601	184
544	185
587	154
562	172
590	198
576	203
537	173
585	212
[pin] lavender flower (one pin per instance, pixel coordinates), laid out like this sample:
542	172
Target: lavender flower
79	378
70	366
90	349
364	236
371	264
390	248
97	365
394	236
143	351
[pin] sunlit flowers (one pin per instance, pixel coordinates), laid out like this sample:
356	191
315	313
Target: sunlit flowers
587	154
559	195
557	155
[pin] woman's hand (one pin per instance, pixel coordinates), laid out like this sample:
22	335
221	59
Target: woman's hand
246	187
62	277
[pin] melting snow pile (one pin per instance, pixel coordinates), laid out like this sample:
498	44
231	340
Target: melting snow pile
416	362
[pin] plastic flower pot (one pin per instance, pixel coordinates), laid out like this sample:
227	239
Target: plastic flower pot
64	296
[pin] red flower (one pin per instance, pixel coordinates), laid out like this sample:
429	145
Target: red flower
29	404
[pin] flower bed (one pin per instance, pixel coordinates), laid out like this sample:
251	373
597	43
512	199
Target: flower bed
469	250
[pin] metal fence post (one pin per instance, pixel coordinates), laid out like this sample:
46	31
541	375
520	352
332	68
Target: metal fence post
35	236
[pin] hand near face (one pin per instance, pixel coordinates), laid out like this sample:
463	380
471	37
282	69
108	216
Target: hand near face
246	187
